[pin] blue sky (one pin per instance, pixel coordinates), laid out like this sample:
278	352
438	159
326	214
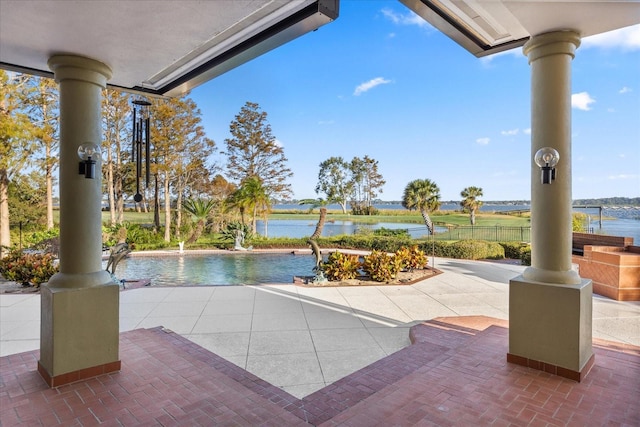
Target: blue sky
379	81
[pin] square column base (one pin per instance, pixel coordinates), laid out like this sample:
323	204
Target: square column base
79	333
550	327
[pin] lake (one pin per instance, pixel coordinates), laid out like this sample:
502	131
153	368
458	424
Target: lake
303	228
618	223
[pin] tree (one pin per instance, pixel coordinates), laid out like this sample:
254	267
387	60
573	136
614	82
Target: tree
424	195
220	190
200	210
117	129
16	141
252	196
334	180
179	145
366	182
27	194
254	152
470	202
194	168
45	115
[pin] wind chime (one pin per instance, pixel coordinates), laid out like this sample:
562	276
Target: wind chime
141	143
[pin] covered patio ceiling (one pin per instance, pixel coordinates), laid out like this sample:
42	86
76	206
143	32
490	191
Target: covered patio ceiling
155	47
164	47
484	27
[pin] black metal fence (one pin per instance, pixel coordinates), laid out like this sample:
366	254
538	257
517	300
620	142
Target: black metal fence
491	234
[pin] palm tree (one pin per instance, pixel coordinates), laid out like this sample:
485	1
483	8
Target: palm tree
251	196
424	195
240	200
200	210
470	202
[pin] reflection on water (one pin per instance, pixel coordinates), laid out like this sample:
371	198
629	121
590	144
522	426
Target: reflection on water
220	269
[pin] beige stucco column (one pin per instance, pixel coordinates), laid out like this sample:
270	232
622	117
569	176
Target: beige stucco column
79	310
549	304
550	57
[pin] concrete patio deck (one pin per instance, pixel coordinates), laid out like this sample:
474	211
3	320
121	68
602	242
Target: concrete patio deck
292	345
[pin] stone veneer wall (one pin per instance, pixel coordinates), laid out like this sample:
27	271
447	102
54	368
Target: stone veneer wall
615	271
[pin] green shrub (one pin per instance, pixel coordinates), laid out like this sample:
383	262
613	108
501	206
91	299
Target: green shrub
464	249
525	257
279	242
477	249
403	232
40	237
28	268
229	233
138	236
381	266
514	250
340	266
370	242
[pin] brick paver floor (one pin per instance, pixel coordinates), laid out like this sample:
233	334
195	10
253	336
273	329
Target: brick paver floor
455	373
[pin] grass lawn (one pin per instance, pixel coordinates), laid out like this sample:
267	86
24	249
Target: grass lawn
404	216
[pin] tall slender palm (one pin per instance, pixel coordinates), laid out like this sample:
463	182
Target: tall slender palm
200	210
424	195
470	202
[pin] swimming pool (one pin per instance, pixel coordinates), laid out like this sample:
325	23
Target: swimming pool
221	269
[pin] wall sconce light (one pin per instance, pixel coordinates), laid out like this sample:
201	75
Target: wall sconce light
87	153
547	159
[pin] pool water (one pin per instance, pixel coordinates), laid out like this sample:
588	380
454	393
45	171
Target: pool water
219	269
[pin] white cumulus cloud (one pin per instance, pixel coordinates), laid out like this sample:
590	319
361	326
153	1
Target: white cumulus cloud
483	141
527	131
582	101
625	90
366	86
510	132
627	38
409	18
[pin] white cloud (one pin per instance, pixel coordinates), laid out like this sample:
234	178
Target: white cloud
510	132
278	143
625	38
582	101
409	18
515	52
483	141
527	131
364	87
625	89
622	176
